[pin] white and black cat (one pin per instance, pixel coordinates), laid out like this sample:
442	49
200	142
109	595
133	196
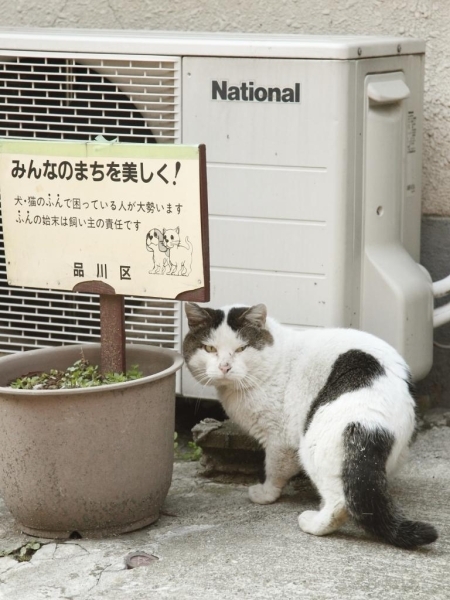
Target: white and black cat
336	402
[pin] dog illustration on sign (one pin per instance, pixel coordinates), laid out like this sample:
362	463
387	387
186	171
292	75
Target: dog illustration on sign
155	245
170	257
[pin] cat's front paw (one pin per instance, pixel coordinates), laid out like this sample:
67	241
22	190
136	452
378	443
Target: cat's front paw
263	493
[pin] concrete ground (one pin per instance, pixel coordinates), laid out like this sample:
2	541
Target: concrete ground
212	543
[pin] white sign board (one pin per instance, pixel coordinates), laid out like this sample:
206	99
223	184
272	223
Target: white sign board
127	215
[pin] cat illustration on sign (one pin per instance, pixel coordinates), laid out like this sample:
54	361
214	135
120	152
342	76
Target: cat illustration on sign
169	255
180	257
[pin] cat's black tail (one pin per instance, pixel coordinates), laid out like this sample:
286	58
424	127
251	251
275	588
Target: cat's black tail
365	486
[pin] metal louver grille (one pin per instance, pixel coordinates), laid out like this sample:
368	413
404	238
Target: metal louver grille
62	97
59	97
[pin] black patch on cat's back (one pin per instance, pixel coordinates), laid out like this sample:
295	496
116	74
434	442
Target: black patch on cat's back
195	339
256	337
351	371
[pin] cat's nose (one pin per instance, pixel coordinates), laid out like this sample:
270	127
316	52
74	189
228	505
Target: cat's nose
225	368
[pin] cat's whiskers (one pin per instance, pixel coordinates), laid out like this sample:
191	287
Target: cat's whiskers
202	379
205	380
253	382
248	387
240	389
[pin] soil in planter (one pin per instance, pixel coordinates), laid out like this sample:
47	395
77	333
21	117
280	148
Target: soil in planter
79	375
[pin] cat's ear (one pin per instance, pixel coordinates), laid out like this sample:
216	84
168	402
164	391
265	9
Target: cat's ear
196	315
256	315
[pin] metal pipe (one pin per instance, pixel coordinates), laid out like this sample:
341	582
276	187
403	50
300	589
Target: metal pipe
441	287
441	315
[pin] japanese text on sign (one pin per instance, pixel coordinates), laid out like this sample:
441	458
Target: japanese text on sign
95	171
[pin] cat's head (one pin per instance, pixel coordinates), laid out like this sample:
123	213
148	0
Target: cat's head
223	347
172	237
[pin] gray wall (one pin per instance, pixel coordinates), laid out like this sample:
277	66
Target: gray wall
427	19
436	258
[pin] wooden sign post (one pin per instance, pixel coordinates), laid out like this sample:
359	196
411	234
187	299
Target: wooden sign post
112	326
106	218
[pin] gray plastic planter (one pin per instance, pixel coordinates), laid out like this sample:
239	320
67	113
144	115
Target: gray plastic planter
93	461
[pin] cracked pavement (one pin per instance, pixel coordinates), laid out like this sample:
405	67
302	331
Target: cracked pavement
213	543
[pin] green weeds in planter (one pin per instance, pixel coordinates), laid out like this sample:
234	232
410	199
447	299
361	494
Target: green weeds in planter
188	451
80	375
195	452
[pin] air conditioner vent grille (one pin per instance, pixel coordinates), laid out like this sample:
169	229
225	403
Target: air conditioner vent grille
59	97
56	97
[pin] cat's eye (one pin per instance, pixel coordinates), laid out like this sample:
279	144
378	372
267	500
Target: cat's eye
209	349
240	349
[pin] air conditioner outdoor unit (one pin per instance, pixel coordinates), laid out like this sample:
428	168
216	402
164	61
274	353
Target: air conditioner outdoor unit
314	171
